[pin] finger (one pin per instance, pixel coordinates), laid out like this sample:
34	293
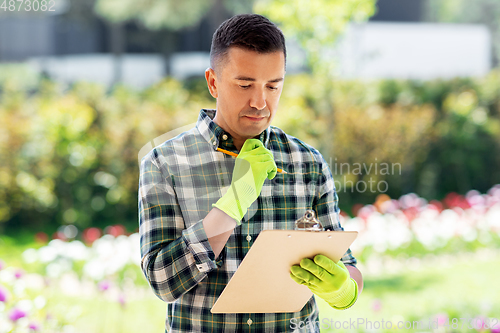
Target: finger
272	171
305	275
261	150
326	263
329	265
243	165
252	154
255	145
268	155
271	156
251	144
261	159
269	166
297	279
342	266
314	269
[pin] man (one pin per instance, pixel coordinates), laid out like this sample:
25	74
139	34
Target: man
200	210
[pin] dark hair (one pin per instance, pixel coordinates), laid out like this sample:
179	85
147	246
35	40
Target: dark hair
249	31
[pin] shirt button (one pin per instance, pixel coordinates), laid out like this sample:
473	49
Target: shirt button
200	267
214	143
249	321
224	137
249	238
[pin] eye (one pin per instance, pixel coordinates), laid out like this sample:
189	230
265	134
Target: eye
273	88
244	87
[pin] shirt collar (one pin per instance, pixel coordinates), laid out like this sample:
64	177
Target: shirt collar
214	134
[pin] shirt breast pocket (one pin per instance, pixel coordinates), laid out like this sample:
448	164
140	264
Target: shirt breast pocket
284	202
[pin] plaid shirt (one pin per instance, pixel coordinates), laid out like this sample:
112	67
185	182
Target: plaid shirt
180	180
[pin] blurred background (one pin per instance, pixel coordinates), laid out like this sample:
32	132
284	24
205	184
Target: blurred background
402	98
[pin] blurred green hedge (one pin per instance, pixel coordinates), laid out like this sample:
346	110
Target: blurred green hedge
444	134
69	153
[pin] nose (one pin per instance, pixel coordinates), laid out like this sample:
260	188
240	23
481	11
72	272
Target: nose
258	99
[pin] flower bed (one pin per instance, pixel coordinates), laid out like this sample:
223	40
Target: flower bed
107	267
412	227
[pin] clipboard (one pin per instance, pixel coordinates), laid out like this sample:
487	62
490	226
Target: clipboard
262	282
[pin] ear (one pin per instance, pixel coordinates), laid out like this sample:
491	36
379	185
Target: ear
211	82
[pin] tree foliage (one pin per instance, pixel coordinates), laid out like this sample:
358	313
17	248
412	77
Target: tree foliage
155	14
315	24
69	154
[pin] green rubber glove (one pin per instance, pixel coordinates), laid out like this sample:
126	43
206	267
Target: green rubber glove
329	280
253	165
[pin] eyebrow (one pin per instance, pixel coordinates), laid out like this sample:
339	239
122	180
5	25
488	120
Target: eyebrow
246	78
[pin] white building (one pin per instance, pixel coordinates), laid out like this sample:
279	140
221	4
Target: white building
414	51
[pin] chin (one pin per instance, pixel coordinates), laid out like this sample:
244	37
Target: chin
255	133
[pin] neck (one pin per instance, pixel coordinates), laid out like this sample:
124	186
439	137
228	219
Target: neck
238	143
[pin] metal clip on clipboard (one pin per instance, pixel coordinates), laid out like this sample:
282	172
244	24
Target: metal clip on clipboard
308	222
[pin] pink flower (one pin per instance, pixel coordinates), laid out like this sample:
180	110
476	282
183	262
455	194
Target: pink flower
90	235
495	325
437	205
59	235
34	327
453	199
441	319
103	285
376	305
411	213
480	323
41	237
19	273
122	300
16	314
116	230
366	212
3	295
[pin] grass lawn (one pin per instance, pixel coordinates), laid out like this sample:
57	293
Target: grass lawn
457	286
146	314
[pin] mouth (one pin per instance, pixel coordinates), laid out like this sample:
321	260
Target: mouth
253	118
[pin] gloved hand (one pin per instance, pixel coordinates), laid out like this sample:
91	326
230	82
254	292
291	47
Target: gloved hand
253	165
329	280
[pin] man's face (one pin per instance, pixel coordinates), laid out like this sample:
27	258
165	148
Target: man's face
247	86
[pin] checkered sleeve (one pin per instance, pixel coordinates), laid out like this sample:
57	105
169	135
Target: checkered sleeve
174	259
327	205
